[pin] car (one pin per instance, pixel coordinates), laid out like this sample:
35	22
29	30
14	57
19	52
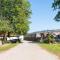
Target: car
13	39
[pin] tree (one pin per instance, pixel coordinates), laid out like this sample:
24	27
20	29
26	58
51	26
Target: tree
56	5
14	15
50	38
4	28
17	13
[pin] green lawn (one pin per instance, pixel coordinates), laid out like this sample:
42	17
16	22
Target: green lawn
7	46
55	48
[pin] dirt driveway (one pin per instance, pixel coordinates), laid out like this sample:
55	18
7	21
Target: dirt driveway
27	51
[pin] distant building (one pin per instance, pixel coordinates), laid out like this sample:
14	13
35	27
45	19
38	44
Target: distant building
41	34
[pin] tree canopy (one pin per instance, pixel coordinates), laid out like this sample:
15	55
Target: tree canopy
16	13
4	26
56	5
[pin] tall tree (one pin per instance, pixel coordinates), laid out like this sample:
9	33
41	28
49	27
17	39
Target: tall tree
17	12
4	28
56	5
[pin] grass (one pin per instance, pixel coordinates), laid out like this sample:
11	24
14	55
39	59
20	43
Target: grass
7	47
54	48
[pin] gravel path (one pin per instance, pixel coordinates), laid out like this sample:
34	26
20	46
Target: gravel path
27	51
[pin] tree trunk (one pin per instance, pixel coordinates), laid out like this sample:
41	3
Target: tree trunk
5	38
8	34
2	42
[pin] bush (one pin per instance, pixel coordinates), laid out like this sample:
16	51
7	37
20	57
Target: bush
49	39
46	41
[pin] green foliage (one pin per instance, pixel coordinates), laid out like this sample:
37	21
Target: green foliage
22	28
49	39
17	13
56	5
4	26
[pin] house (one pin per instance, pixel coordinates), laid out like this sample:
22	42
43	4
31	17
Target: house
36	36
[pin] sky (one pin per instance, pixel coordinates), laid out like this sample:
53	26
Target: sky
42	17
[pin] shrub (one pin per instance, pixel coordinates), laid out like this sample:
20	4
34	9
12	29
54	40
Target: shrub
49	39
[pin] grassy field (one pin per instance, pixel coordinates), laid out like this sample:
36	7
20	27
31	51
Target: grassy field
54	48
7	47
